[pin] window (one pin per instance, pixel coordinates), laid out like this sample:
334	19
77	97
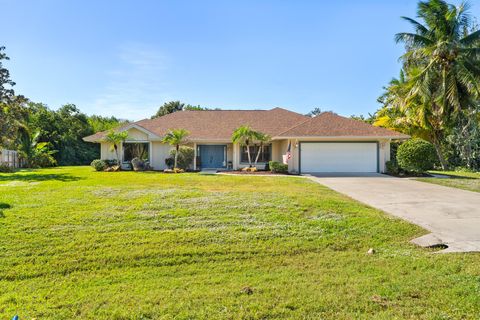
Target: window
265	153
135	150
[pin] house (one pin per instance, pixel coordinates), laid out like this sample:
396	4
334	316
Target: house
325	143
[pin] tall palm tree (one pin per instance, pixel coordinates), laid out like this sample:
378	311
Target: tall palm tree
115	139
244	136
442	65
176	138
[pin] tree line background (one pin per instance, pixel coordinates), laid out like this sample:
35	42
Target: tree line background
46	137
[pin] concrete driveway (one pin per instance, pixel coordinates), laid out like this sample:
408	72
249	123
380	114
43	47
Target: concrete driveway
452	215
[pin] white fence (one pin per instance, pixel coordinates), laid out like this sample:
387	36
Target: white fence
10	158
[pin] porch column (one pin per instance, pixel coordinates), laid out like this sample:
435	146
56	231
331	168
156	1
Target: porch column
195	156
235	157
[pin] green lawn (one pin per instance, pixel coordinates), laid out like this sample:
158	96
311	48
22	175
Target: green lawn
462	180
94	245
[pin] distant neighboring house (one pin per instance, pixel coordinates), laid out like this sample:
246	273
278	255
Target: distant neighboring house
10	158
325	143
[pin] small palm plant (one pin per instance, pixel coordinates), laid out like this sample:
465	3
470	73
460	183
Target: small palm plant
115	138
262	139
176	137
33	152
244	135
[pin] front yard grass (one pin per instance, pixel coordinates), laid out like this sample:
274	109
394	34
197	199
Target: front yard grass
93	245
462	180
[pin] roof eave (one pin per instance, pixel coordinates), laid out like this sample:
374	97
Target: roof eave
299	137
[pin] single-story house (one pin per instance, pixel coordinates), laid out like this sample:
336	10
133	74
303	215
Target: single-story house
325	143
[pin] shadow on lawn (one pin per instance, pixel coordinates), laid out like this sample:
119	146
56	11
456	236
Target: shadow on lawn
3	206
454	177
30	177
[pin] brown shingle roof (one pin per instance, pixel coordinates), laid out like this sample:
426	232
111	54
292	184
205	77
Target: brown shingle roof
218	124
329	124
277	122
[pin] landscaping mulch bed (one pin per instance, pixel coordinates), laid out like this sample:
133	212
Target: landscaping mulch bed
256	173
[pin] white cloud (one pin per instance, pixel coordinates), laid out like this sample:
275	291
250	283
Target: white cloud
136	87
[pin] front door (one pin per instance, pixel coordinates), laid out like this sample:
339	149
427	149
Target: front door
212	156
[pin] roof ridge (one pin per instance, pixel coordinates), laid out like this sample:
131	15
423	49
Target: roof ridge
358	123
252	110
307	120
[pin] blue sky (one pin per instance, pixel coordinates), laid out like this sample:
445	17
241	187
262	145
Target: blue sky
125	58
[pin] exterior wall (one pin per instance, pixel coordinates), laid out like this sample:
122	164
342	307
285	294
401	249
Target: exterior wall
230	153
136	135
293	163
384	154
106	153
280	150
158	153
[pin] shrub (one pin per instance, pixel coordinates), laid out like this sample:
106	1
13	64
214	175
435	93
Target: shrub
99	165
169	162
6	168
42	160
278	167
392	167
416	155
185	157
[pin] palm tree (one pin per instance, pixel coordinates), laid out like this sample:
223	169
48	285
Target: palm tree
176	138
115	138
261	138
244	135
441	65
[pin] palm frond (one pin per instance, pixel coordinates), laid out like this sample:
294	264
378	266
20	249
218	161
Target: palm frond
421	29
413	39
472	38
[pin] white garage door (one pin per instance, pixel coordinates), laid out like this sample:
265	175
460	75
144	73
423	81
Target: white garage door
338	157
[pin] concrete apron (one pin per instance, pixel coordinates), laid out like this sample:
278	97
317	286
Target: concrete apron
451	215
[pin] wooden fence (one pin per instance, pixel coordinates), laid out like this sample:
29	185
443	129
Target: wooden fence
10	158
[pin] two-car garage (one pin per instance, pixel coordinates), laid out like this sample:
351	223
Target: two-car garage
337	157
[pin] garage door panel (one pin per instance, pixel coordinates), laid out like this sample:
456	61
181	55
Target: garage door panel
338	157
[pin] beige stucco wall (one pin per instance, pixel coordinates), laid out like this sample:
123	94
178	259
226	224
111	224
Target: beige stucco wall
384	154
106	153
159	152
136	135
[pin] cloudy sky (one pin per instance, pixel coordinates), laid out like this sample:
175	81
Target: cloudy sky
125	58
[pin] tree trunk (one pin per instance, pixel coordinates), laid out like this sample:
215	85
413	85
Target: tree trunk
258	154
248	154
116	153
438	149
176	156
